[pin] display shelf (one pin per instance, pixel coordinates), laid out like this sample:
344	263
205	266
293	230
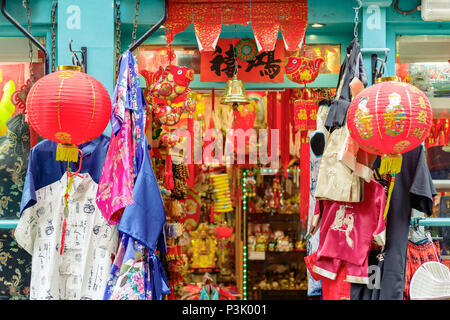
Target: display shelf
266	255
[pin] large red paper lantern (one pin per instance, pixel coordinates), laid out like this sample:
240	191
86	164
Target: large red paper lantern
69	107
389	119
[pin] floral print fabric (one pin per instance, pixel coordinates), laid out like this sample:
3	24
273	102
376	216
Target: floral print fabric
14	151
136	273
130	277
115	190
15	268
123	160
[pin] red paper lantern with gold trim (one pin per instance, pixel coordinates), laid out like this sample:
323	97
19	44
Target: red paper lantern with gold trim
389	119
69	107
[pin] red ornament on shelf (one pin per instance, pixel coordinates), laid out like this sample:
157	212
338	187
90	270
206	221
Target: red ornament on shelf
389	119
69	107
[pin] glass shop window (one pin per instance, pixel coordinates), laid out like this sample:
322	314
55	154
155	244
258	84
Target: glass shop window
15	262
331	53
15	61
424	61
150	58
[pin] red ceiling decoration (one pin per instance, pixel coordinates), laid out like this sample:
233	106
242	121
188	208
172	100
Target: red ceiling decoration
266	18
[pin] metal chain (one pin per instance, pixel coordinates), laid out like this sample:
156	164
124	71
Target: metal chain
135	24
117	49
53	33
26	5
355	30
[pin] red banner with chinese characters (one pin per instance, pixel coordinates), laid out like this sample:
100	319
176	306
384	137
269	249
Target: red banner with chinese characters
219	65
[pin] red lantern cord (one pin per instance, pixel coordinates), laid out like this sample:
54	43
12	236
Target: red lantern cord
70	176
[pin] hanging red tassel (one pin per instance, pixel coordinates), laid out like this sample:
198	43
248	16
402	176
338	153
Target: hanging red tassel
190	165
168	174
284	130
212	214
304	176
63	237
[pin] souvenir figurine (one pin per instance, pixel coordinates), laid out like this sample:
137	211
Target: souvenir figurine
283	244
276	193
204	247
275	285
291	281
261	242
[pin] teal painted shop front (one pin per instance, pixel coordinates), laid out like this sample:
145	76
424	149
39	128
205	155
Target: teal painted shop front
91	24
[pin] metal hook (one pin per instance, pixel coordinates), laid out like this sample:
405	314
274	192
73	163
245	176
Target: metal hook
75	60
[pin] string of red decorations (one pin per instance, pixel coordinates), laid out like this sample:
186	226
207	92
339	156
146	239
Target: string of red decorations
266	17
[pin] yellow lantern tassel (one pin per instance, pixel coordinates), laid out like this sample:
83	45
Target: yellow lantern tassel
391	187
67	152
390	164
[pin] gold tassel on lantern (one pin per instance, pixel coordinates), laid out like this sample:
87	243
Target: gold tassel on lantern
390	164
67	152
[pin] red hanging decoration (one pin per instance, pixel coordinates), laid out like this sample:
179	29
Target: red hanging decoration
266	18
191	168
285	131
305	116
236	12
168	174
265	24
223	232
169	140
207	25
293	23
178	19
69	107
168	91
388	119
439	133
302	70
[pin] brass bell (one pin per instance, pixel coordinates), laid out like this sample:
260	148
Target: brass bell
234	93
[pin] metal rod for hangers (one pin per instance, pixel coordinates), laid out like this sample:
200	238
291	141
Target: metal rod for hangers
430	222
8	224
27	34
152	30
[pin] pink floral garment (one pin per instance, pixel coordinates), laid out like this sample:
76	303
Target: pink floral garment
115	188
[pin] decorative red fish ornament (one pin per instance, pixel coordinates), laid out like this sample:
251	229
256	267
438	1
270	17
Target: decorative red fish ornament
302	70
170	82
168	90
